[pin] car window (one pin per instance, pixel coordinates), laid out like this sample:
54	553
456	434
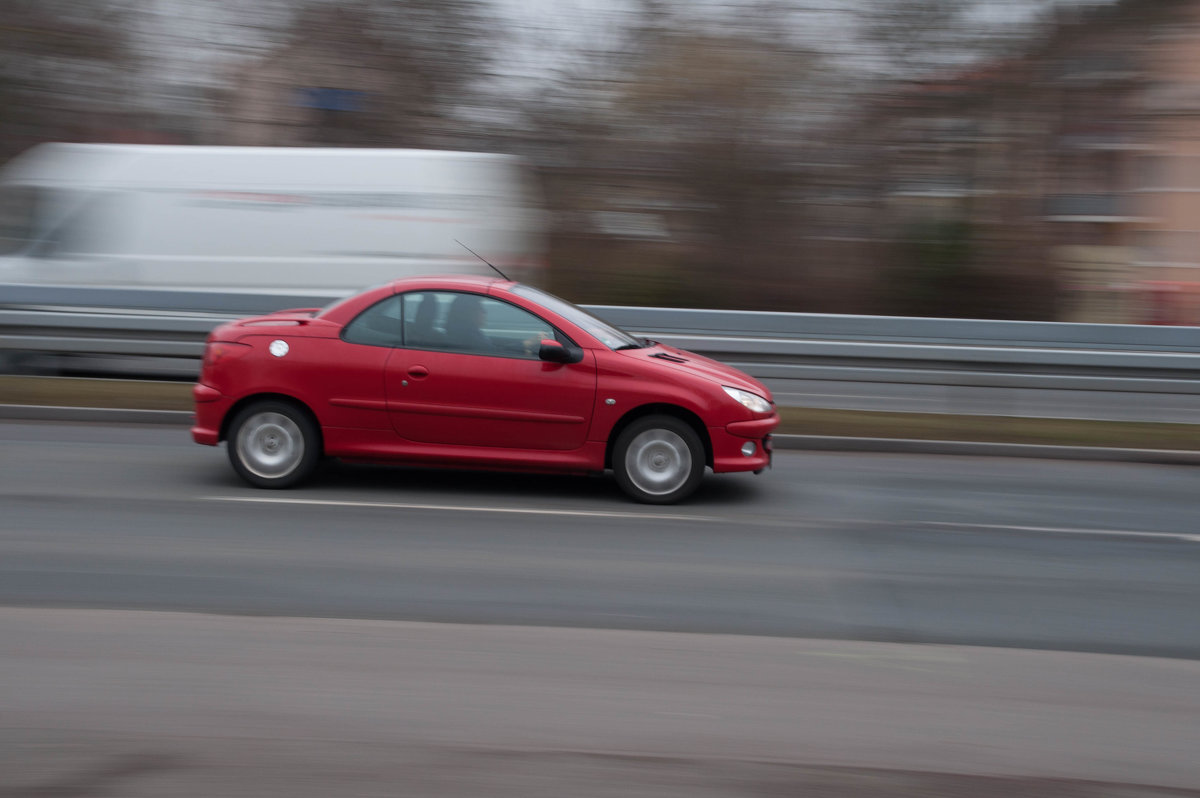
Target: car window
378	325
449	321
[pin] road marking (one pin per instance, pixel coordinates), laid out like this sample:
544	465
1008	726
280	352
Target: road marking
830	524
462	508
1124	533
694	715
799	522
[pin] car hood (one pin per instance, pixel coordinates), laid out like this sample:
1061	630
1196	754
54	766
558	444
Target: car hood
671	358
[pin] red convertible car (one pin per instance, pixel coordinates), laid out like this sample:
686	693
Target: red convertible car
474	372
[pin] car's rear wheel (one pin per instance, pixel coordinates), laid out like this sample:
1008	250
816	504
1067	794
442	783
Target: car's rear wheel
658	460
273	444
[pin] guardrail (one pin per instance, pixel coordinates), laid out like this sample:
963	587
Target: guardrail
162	332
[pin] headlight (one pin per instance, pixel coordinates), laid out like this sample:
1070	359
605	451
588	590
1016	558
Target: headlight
751	401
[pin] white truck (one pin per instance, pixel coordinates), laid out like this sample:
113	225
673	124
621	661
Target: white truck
298	221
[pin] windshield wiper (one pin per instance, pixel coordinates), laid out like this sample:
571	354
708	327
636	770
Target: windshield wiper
641	343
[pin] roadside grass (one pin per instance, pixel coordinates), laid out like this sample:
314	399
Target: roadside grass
155	395
991	429
78	392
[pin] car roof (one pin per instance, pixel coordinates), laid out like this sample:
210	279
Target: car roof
449	282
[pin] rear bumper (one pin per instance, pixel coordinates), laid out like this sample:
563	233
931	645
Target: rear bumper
211	405
743	445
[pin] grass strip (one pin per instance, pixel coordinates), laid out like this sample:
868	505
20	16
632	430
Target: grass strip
157	395
990	429
80	392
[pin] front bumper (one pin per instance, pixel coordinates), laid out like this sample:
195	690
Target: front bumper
730	447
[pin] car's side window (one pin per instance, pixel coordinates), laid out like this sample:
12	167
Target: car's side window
449	321
378	325
424	312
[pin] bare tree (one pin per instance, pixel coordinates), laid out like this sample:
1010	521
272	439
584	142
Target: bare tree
910	38
363	72
676	150
63	67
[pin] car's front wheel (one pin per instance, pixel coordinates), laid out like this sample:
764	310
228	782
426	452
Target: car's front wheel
658	460
273	444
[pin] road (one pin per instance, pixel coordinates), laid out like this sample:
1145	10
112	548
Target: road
980	551
832	622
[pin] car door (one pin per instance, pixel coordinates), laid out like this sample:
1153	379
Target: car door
346	374
469	374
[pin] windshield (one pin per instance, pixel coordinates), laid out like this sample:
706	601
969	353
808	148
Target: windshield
605	333
17	206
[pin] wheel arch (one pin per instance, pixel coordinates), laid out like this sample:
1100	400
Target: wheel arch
270	397
659	409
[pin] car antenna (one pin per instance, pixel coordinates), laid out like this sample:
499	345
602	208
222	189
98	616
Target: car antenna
476	254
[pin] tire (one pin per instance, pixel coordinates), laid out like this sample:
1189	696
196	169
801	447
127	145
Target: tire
658	460
273	444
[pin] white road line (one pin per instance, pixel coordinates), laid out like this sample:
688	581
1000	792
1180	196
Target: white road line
462	508
1124	533
830	524
798	522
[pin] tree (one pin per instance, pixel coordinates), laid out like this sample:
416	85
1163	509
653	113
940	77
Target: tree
676	152
64	66
364	72
911	38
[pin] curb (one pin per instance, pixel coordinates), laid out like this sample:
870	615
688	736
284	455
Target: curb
114	415
811	443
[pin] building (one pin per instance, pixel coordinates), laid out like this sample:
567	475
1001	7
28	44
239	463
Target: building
1084	152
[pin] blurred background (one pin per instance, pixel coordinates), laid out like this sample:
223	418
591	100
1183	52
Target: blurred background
1012	159
857	621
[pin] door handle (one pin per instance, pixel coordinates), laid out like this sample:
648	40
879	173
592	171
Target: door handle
418	372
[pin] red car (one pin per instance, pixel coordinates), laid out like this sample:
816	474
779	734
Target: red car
474	372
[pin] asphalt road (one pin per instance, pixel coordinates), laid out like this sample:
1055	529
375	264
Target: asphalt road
846	624
1074	556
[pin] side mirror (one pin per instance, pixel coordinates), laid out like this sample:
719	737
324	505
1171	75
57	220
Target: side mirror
553	352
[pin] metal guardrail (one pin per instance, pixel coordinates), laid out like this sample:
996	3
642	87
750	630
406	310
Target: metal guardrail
123	331
156	301
162	331
912	330
930	351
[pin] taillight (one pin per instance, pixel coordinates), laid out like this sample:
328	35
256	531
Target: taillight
216	352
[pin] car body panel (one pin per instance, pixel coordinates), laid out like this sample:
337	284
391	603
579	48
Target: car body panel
439	397
419	406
